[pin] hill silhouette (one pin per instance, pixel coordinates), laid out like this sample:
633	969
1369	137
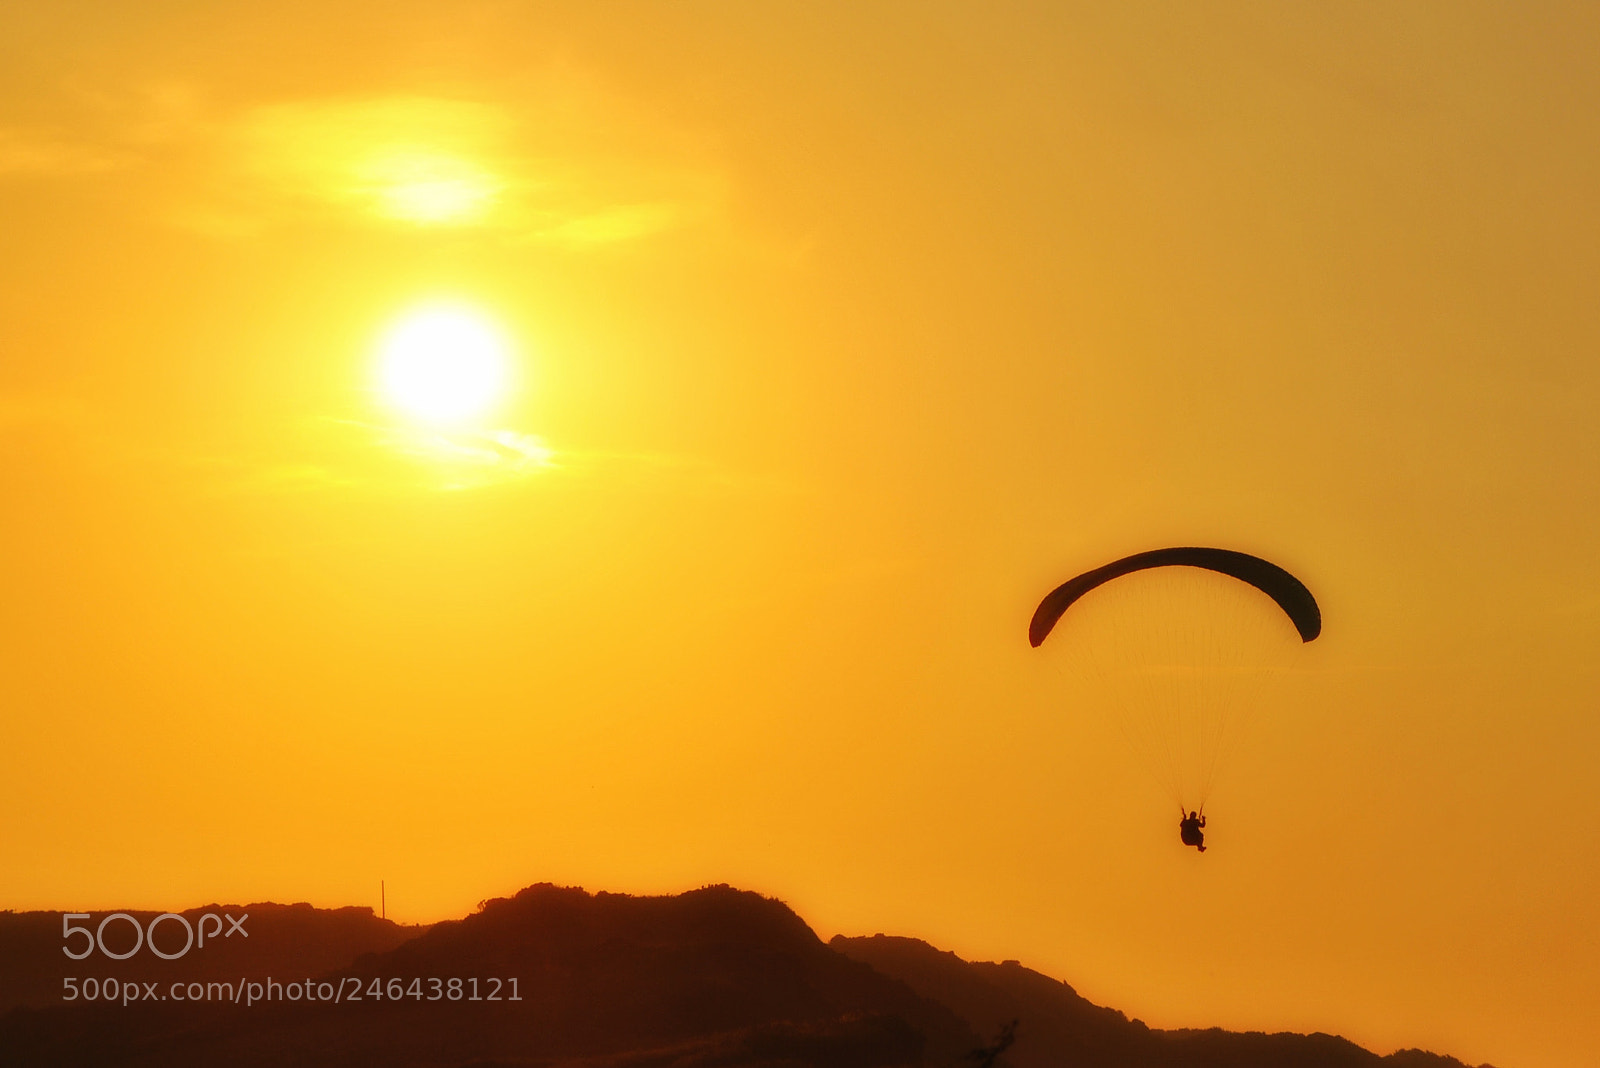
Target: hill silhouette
1059	1027
714	977
276	939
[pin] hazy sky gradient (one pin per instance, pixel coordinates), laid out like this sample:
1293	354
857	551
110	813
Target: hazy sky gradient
844	332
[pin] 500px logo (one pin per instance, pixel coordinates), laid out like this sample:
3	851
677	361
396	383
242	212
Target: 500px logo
146	936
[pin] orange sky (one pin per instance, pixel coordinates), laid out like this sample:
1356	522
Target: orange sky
841	333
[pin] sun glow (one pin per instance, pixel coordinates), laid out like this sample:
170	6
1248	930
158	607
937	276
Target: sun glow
443	364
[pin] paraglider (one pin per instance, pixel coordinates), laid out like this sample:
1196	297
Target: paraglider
1180	638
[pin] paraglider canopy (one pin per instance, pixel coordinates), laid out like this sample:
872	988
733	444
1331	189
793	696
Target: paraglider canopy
1289	592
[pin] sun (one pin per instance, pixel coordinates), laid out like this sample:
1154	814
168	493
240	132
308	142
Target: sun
443	364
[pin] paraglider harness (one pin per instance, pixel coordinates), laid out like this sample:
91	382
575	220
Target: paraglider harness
1189	828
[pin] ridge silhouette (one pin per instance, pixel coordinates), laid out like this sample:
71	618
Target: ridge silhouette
282	938
712	977
1059	1027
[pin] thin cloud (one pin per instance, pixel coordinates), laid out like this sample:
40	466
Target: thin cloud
107	132
417	160
566	176
608	226
563	163
349	454
466	460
